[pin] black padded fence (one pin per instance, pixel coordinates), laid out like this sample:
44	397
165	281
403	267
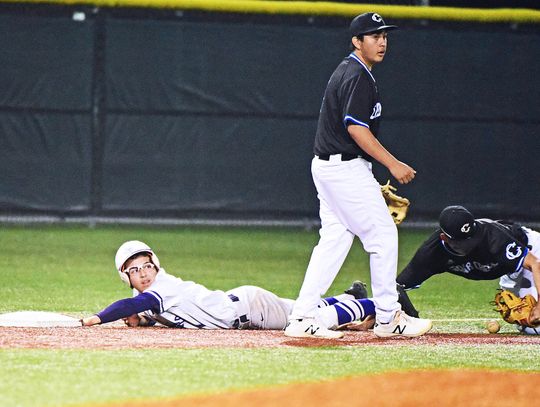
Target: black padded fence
121	112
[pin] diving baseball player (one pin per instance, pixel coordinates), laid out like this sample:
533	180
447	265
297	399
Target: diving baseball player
159	297
479	249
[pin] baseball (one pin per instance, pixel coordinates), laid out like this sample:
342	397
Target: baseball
493	326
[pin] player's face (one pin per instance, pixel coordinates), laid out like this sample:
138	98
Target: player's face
373	48
461	247
141	271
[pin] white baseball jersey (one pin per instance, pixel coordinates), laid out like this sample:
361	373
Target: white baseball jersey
521	282
185	304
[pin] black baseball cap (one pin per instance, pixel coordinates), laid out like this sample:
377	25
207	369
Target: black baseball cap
368	23
457	223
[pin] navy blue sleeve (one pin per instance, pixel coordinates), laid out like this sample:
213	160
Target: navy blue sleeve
128	306
430	259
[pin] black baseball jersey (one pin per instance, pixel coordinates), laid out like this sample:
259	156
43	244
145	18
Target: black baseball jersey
351	97
501	250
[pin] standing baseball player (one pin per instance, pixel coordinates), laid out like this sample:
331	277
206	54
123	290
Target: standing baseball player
479	249
162	298
350	197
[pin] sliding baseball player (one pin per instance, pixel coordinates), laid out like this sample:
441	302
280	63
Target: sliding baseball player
161	298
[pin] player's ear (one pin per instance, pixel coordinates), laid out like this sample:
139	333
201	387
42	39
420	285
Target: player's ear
443	237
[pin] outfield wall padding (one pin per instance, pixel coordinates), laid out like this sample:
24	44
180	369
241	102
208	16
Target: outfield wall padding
123	112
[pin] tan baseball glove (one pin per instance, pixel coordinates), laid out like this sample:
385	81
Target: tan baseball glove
513	309
397	205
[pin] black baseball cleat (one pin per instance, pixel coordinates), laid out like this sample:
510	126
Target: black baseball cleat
358	290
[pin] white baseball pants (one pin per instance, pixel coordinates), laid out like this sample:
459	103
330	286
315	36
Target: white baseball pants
261	308
258	308
351	204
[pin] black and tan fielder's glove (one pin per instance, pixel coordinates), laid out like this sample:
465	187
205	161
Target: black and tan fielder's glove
513	309
397	205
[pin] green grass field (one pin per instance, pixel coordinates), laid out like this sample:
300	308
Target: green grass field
71	270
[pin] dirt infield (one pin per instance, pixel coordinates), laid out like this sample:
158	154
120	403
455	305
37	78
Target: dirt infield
415	388
120	337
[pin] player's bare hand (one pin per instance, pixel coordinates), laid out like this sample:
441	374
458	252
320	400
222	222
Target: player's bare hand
402	172
132	320
89	321
534	317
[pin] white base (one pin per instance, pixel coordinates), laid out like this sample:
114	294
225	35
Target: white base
37	319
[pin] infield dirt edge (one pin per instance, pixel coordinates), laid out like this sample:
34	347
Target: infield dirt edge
412	388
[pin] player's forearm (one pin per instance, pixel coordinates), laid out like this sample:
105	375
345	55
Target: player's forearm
118	310
107	315
536	277
413	277
532	263
368	143
126	307
123	309
534	318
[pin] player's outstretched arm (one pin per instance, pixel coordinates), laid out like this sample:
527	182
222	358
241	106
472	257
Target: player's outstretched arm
532	263
122	309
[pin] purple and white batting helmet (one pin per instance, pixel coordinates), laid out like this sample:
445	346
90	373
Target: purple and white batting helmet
128	249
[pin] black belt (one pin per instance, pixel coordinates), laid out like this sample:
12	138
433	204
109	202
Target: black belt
344	157
243	321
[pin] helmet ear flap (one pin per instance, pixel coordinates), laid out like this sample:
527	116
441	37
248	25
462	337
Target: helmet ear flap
124	277
129	249
155	260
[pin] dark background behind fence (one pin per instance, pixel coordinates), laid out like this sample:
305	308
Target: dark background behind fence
138	112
